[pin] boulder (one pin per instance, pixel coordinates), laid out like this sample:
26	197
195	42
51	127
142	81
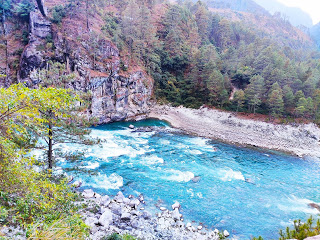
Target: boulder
76	184
126	201
115	208
135	223
106	218
196	179
131	126
134	203
314	205
105	200
226	233
176	214
88	193
91	221
146	215
119	197
176	205
125	216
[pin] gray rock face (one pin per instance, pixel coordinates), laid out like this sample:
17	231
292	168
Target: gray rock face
116	95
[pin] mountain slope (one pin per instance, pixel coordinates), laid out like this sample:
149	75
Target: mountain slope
295	15
238	5
315	33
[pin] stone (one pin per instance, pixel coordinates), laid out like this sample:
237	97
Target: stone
136	213
146	215
76	184
98	235
119	197
200	227
88	193
131	126
226	233
196	179
91	221
106	218
163	208
134	203
141	198
135	223
314	205
125	216
105	200
176	205
180	224
70	179
94	229
126	201
115	208
176	214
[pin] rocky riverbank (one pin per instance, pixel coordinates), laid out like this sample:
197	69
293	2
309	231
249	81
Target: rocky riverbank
300	139
127	215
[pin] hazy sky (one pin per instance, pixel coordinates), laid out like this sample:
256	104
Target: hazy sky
310	6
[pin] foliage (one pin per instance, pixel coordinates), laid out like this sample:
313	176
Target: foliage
116	236
58	13
70	227
63	124
197	57
24	8
300	230
27	194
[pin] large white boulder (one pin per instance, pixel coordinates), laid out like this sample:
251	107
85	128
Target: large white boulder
106	218
88	193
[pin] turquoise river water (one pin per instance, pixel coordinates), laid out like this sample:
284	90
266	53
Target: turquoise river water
247	192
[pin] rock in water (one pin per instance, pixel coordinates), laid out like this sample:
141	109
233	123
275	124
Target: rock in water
314	205
175	205
134	203
131	126
88	193
196	179
106	218
176	214
226	233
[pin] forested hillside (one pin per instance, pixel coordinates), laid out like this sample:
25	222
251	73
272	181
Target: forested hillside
196	55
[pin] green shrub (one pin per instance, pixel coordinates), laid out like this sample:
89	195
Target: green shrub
58	13
71	228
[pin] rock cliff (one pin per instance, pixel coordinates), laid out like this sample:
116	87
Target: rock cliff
117	94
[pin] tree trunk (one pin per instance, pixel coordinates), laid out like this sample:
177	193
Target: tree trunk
6	84
87	13
50	146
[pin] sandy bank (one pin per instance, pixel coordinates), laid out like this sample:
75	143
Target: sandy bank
300	140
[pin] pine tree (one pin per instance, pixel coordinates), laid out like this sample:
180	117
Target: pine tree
254	92
275	100
239	98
